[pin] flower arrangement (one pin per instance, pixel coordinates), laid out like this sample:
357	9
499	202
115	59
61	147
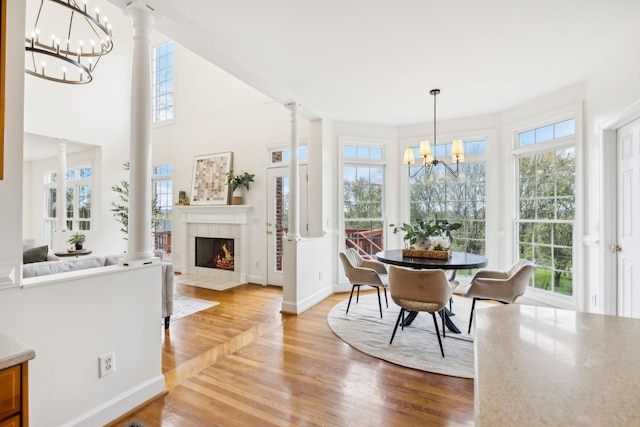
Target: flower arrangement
432	234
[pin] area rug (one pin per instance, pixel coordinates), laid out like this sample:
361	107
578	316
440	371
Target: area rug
414	347
184	306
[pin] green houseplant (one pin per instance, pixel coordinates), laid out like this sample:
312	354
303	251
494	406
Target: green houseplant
420	233
121	209
77	239
236	182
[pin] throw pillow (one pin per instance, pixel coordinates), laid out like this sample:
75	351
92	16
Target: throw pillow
37	254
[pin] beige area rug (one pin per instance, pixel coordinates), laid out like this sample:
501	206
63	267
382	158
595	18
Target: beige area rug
414	347
184	306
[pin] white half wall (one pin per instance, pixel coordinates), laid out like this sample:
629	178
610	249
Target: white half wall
307	276
70	321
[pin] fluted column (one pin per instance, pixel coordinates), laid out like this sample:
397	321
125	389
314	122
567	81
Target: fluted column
294	177
61	189
139	243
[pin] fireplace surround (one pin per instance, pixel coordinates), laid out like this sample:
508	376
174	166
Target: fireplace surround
229	222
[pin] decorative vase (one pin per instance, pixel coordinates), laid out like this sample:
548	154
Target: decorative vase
423	243
237	196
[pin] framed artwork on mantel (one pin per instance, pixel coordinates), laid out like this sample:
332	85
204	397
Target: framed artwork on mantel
209	185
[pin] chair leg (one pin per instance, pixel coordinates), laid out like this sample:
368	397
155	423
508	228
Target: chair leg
351	296
444	319
385	297
400	315
435	322
358	295
473	306
379	301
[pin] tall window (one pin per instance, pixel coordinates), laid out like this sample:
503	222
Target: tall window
461	199
363	189
78	201
162	81
163	198
546	160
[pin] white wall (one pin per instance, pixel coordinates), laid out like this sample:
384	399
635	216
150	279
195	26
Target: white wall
72	321
215	112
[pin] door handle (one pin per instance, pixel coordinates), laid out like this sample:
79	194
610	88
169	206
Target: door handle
269	232
616	248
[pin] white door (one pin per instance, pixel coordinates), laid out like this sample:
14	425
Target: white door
277	217
628	239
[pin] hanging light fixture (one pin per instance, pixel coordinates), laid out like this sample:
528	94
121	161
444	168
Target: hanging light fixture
429	157
78	41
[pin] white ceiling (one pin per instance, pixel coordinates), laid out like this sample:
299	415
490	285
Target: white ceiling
374	61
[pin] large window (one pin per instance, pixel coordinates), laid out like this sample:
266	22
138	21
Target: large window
77	201
461	199
546	162
363	189
163	200
162	81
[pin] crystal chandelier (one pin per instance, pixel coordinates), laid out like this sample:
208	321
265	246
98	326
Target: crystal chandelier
67	42
430	160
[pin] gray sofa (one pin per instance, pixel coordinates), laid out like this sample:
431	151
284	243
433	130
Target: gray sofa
55	265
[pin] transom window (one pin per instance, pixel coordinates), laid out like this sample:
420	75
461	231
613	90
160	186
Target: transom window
283	156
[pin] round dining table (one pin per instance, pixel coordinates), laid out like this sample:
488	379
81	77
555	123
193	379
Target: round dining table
457	261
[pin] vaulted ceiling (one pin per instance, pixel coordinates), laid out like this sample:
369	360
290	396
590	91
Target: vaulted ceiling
374	61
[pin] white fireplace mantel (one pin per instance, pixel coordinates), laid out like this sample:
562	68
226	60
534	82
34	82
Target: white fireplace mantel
215	214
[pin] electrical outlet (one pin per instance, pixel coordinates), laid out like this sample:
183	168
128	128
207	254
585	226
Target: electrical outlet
257	264
107	363
320	276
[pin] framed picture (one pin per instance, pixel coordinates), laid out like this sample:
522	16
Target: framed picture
209	185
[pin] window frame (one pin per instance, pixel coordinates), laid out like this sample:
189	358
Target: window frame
171	120
574	111
383	164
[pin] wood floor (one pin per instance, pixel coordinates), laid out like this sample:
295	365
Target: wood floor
242	363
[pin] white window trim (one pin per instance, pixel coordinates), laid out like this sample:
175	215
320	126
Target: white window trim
343	140
575	111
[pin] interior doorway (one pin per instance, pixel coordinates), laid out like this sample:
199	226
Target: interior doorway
278	220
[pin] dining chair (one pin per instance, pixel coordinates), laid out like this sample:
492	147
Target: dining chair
420	290
364	272
502	286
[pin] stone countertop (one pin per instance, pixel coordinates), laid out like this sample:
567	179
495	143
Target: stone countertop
13	352
540	366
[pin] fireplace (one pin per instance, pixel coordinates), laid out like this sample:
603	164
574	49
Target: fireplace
215	252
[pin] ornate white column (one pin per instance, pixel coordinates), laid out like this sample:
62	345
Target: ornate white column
139	243
294	177
61	188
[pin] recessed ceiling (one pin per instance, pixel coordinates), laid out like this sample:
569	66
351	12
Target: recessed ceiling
374	61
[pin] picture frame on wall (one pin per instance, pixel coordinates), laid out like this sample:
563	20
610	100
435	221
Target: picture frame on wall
209	185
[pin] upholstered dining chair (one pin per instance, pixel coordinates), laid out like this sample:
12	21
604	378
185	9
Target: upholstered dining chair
502	286
420	290
364	272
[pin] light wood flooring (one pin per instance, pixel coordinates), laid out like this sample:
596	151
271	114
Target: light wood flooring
242	363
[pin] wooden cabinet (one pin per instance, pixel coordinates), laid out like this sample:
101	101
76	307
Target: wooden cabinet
13	396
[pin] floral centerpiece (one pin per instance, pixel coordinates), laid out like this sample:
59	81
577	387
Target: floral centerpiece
427	238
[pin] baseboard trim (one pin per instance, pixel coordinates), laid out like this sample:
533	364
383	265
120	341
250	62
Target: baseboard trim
121	404
305	304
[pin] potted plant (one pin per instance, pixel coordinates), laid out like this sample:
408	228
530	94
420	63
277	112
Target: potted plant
236	182
77	240
419	235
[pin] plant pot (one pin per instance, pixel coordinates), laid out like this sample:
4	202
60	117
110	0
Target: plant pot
237	197
78	246
423	243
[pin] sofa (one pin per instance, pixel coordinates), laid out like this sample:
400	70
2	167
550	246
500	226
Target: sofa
39	261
